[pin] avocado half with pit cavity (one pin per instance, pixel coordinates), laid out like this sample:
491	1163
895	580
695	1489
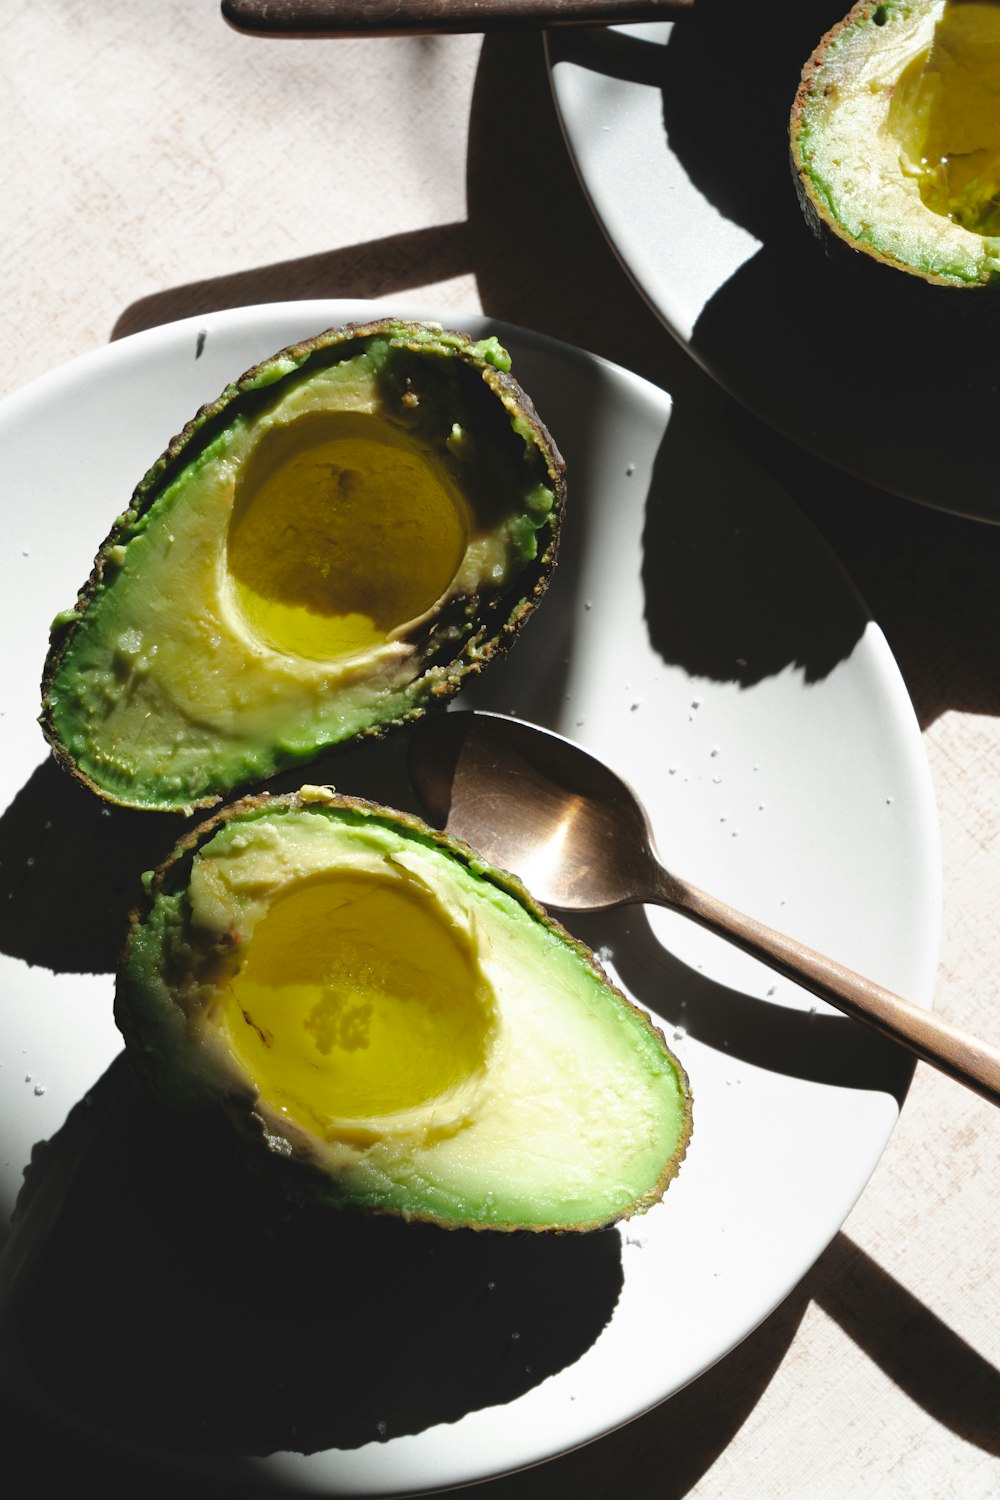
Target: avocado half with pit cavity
895	137
323	552
383	1022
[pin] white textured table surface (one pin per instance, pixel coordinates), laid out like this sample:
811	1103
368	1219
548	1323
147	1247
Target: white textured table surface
156	165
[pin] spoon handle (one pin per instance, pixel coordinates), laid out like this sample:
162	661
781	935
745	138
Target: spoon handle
343	18
944	1046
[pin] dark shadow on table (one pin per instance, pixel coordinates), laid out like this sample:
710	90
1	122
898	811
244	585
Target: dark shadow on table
667	1451
664	1452
155	1294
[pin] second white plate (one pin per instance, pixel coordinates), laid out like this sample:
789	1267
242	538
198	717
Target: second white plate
680	136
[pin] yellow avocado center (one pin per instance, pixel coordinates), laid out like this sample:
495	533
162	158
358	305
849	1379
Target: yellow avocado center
945	113
357	1000
344	530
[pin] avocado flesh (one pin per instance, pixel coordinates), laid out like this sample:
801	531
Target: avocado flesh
895	137
393	1026
356	524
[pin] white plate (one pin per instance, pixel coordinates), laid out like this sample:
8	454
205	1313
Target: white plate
698	635
680	136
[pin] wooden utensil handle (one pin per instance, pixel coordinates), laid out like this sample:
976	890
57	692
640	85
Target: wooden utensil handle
346	18
961	1056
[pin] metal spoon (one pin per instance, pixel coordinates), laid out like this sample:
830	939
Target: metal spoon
575	833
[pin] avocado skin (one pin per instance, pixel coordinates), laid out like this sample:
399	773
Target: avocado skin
227	1120
920	290
497	624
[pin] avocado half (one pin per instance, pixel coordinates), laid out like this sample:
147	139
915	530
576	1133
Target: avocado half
895	137
383	1022
324	551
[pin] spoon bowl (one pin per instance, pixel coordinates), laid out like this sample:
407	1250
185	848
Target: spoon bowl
545	809
537	805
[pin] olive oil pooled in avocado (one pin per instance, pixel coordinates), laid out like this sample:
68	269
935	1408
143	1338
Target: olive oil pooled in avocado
328	549
381	1021
895	137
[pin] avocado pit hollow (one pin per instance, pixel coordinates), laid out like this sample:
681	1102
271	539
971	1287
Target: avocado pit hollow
944	115
345	532
357	1006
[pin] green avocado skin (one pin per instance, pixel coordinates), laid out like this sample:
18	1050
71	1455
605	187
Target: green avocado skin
565	1031
116	708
